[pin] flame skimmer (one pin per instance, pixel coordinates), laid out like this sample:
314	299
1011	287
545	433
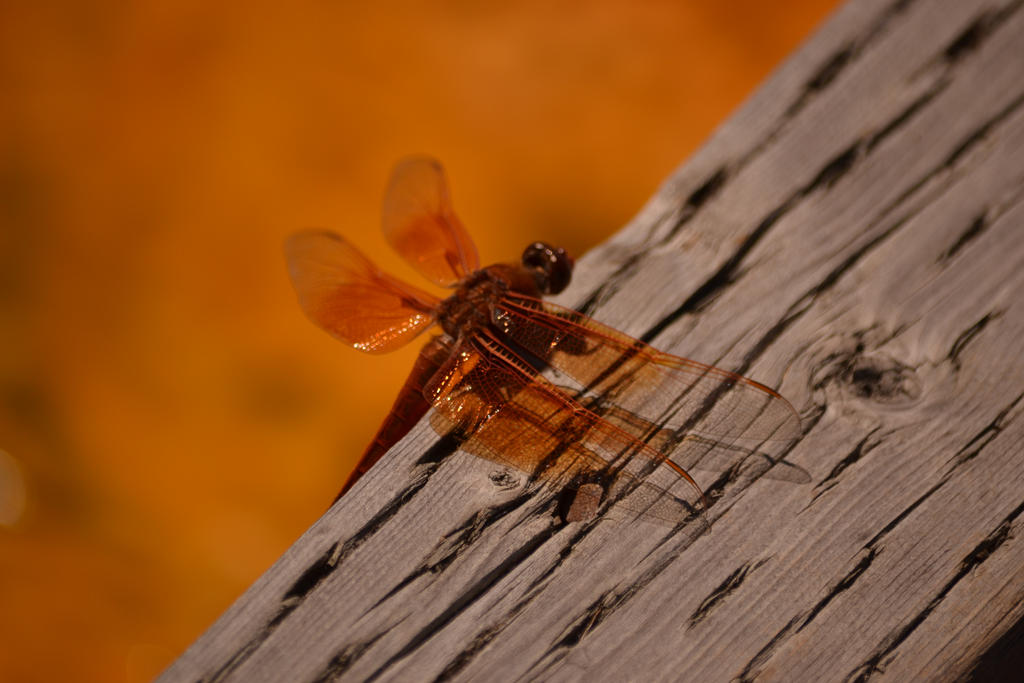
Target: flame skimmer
526	383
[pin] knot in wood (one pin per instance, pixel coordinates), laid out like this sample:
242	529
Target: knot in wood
882	379
504	480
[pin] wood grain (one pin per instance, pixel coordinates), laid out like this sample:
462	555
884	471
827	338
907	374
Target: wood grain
853	236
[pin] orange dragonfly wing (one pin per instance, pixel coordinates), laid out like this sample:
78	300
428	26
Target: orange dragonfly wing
420	224
344	293
645	391
516	418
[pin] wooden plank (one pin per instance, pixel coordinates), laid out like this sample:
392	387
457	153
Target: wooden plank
853	236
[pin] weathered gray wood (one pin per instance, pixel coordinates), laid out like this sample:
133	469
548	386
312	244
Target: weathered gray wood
854	235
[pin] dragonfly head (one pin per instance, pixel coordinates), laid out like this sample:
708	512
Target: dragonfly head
551	267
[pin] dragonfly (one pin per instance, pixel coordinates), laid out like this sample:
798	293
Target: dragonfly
521	381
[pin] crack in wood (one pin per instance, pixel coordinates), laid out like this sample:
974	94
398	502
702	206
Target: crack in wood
344	658
572	635
873	547
839	60
687	210
468	653
374	524
833	66
980	440
613	600
441	449
968	452
236	659
485	636
975	229
803	304
610	602
840	165
697	199
906	512
754	666
832	478
979	134
981	224
587	620
590	617
826	177
581	533
612	284
908	113
989	545
728	586
467	598
840	586
971	38
825	75
311	577
454	543
967	336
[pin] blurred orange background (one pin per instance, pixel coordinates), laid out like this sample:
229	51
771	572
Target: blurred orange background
169	421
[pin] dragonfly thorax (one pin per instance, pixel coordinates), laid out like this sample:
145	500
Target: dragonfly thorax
472	305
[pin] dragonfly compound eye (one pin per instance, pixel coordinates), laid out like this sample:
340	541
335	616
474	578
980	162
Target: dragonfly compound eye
551	266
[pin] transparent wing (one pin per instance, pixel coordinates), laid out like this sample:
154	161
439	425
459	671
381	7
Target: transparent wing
420	224
345	294
700	405
511	416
